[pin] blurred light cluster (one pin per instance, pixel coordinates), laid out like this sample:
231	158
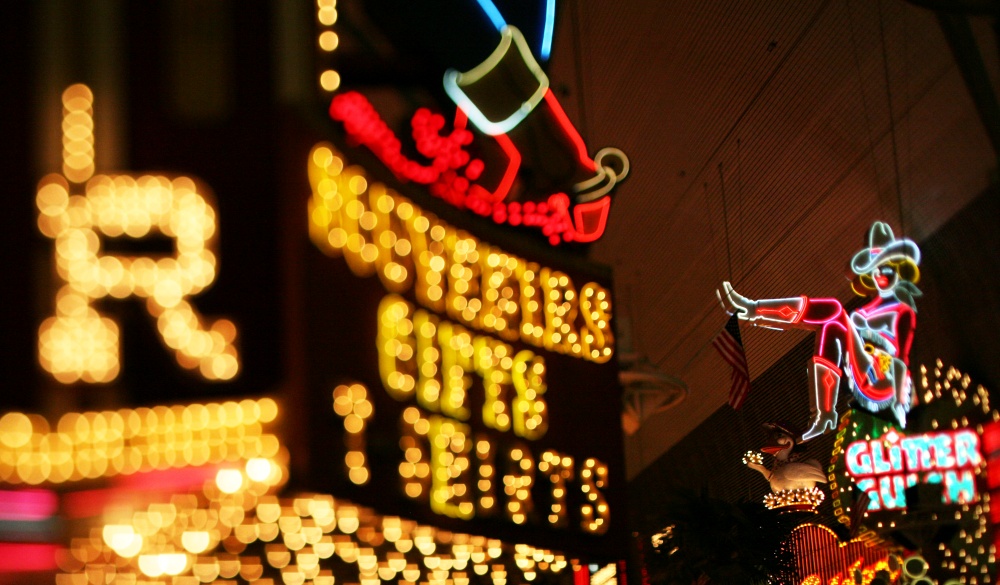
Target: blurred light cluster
352	404
491	358
450	491
450	271
78	343
606	575
795	499
432	360
952	383
559	470
594	515
517	485
437	358
223	535
487	475
173	542
328	41
415	470
92	445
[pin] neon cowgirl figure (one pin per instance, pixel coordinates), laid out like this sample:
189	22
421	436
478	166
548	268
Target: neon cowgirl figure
871	344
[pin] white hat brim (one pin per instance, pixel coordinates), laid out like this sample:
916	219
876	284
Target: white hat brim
864	262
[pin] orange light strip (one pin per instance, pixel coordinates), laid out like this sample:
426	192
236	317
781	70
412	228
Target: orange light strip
92	445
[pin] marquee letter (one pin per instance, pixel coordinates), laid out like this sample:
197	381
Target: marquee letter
531	417
79	343
395	345
450	470
594	515
351	403
859	459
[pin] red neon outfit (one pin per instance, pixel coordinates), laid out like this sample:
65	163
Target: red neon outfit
842	343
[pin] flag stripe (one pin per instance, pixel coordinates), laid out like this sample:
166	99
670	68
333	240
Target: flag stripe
734	361
730	347
739	390
730	351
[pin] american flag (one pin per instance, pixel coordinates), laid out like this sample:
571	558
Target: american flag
730	346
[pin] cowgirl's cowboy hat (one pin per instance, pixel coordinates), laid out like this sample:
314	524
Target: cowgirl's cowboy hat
883	247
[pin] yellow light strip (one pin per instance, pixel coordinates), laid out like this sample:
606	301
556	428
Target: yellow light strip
517	483
417	351
328	41
559	469
594	515
90	445
811	497
78	133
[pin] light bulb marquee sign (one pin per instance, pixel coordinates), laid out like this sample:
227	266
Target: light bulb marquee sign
451	386
934	477
453	377
460	390
82	212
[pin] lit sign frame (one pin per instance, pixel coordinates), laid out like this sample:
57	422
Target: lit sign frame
945	445
464	332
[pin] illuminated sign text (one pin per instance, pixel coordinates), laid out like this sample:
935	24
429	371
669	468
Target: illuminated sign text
450	271
885	467
473	301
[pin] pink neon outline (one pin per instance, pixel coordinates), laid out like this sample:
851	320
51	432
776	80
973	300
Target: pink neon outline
28	505
822	334
823	361
833	317
782	312
866	389
905	467
829	389
570	130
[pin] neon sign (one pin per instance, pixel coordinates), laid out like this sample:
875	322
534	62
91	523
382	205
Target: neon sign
870	346
885	467
455	308
575	203
454	81
453	175
949	449
500	24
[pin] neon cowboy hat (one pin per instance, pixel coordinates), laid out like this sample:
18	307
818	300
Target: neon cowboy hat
883	247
